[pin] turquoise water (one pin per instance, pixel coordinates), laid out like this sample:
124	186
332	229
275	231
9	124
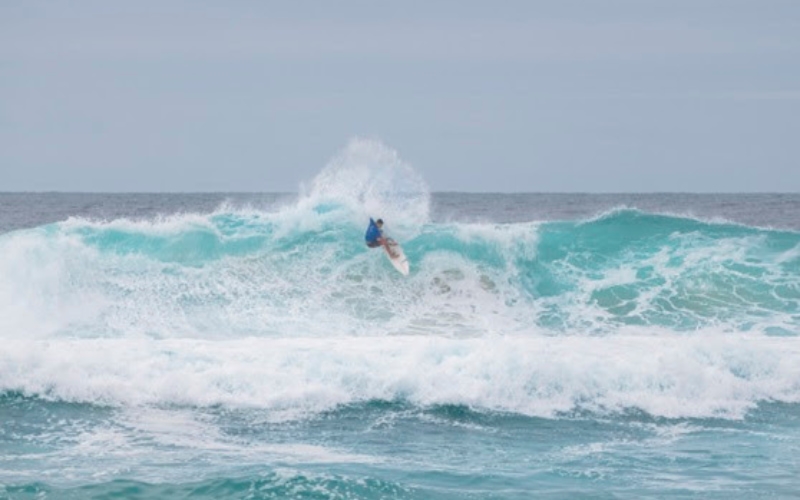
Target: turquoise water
543	346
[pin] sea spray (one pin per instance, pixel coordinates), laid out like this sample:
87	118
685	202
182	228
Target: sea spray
368	179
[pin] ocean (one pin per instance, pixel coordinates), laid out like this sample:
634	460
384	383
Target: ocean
250	346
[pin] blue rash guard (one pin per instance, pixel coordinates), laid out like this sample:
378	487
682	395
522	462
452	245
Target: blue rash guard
373	233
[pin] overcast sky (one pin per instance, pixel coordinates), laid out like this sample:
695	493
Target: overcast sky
557	95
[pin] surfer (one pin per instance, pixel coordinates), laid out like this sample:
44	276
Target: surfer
375	238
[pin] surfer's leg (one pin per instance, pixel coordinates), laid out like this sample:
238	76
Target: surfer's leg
387	244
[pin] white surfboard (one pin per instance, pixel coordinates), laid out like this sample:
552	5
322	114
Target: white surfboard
398	260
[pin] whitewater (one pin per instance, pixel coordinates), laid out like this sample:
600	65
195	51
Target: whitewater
543	346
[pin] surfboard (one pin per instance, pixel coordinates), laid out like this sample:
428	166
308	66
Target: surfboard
398	260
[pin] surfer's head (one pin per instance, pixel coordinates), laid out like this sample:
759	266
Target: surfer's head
379	222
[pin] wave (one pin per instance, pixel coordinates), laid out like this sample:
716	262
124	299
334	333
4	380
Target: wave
286	309
300	271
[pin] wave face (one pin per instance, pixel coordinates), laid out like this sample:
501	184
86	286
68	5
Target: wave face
286	309
635	268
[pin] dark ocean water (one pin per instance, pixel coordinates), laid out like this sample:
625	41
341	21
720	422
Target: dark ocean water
777	210
543	346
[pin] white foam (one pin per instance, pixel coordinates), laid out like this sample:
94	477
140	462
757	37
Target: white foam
703	375
38	276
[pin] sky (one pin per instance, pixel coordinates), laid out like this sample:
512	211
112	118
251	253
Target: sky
506	96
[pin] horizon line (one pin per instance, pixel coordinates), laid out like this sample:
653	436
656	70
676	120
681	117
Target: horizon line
290	193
